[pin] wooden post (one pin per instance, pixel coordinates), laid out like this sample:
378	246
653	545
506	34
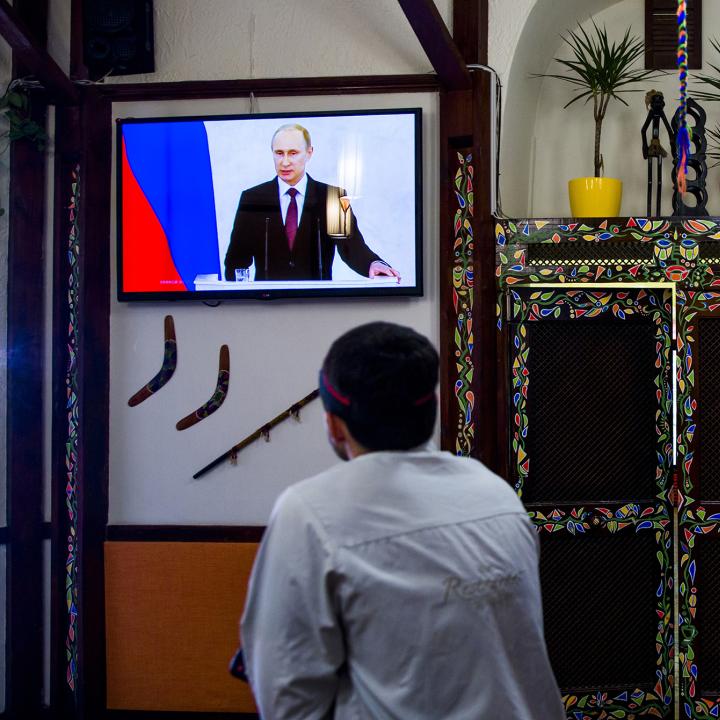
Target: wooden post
468	338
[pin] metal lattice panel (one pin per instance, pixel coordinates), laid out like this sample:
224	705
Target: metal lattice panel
709	249
709	407
625	252
599	609
708	621
591	411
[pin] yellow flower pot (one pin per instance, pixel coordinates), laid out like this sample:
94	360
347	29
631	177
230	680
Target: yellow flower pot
595	197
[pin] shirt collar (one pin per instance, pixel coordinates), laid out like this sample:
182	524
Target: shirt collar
301	187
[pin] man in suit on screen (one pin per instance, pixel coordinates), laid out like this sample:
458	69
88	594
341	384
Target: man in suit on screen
282	225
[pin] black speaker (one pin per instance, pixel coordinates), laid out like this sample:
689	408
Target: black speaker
118	37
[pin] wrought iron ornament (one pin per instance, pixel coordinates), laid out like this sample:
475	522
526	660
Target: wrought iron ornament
695	159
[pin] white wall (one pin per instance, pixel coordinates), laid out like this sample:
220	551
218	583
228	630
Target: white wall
275	348
544	145
223	39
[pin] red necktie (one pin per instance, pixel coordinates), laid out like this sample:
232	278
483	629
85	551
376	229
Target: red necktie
291	219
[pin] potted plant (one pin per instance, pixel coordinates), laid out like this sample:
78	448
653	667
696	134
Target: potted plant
600	72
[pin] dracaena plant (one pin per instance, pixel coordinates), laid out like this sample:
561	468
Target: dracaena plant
600	71
711	95
711	81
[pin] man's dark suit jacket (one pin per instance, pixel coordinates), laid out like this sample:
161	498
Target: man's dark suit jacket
259	234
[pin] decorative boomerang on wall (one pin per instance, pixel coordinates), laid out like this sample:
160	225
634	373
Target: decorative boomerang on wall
166	371
218	397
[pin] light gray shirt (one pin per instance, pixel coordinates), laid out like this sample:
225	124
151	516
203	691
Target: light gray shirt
399	585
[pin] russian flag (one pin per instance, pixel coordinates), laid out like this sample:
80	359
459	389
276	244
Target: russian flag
169	228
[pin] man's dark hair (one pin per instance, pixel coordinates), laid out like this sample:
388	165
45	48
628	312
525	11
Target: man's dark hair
380	379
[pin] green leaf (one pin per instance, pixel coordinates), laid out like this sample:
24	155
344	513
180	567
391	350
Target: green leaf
16	100
599	70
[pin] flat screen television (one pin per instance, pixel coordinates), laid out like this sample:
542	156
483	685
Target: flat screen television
269	206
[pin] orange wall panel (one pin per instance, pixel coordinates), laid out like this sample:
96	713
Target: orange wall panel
172	612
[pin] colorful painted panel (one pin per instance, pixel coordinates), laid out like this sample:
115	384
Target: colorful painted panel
632	250
699	520
462	295
73	426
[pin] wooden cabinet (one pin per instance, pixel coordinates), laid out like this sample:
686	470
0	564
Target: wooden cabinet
610	337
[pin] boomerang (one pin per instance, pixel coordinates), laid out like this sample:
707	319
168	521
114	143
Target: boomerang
218	397
166	371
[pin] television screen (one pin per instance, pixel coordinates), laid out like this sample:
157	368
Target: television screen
267	206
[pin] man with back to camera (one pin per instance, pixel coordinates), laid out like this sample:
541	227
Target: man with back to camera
281	225
403	583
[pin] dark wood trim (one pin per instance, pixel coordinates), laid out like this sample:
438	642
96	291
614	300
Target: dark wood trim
25	326
486	335
150	715
661	34
68	147
185	533
46	532
94	405
43	713
198	90
438	44
466	126
77	62
35	58
468	17
67	155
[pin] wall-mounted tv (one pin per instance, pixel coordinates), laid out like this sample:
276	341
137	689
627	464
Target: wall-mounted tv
268	206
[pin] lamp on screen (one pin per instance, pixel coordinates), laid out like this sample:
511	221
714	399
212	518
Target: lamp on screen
339	214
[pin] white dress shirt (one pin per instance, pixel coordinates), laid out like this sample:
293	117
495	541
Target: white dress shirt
301	187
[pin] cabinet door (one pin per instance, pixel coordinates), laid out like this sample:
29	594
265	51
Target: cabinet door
591	456
698	398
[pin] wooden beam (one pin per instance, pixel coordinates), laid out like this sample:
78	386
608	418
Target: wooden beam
465	134
58	86
437	43
269	87
68	144
25	366
470	24
93	357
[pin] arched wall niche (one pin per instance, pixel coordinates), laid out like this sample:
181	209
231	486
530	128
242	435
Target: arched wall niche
543	145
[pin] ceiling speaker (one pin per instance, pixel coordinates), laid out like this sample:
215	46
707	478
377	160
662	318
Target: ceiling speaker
118	37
